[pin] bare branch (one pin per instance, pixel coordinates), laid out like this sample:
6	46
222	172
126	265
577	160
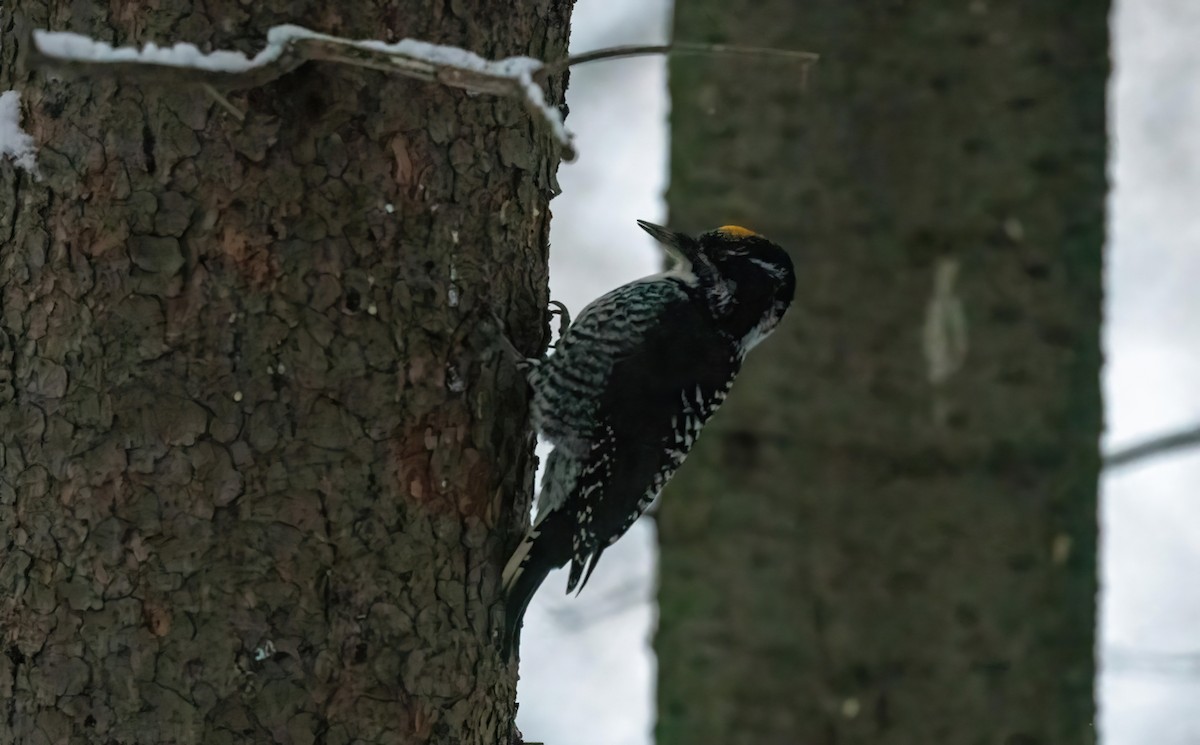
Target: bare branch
676	48
1154	447
224	102
290	46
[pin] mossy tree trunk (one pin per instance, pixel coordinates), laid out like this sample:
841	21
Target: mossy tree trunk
260	458
889	533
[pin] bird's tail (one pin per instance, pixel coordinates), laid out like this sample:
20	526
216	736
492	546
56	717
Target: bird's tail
545	547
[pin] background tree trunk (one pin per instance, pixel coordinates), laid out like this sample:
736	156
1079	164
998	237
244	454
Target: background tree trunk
880	540
260	455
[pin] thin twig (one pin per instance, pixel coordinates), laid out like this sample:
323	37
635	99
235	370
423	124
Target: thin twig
1154	447
224	102
679	47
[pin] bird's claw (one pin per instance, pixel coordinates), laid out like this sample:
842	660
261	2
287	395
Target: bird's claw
564	317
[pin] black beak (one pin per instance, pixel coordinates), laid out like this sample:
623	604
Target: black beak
661	234
680	246
685	250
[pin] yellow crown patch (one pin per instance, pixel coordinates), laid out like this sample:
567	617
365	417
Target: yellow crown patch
736	231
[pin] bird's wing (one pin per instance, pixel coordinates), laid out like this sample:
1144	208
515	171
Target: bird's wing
657	396
615	326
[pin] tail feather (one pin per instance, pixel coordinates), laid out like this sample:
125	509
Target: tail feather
524	585
516	563
545	547
578	578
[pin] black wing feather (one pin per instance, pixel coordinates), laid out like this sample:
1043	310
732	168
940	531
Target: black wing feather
659	393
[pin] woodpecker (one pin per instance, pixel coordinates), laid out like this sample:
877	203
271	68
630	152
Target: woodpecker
627	389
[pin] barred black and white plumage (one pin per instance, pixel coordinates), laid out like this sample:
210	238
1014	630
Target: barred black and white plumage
628	388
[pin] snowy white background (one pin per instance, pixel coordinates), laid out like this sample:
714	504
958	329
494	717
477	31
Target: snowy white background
587	677
1150	688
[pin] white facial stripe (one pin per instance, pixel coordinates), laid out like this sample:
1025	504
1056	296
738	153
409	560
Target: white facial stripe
772	269
759	332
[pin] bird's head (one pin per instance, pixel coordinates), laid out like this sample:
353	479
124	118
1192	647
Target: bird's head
749	281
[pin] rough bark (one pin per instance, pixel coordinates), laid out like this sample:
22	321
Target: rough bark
261	458
867	546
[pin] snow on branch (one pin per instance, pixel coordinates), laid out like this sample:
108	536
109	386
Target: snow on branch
15	143
290	46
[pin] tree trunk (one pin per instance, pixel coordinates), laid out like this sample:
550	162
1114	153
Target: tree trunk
261	456
889	536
